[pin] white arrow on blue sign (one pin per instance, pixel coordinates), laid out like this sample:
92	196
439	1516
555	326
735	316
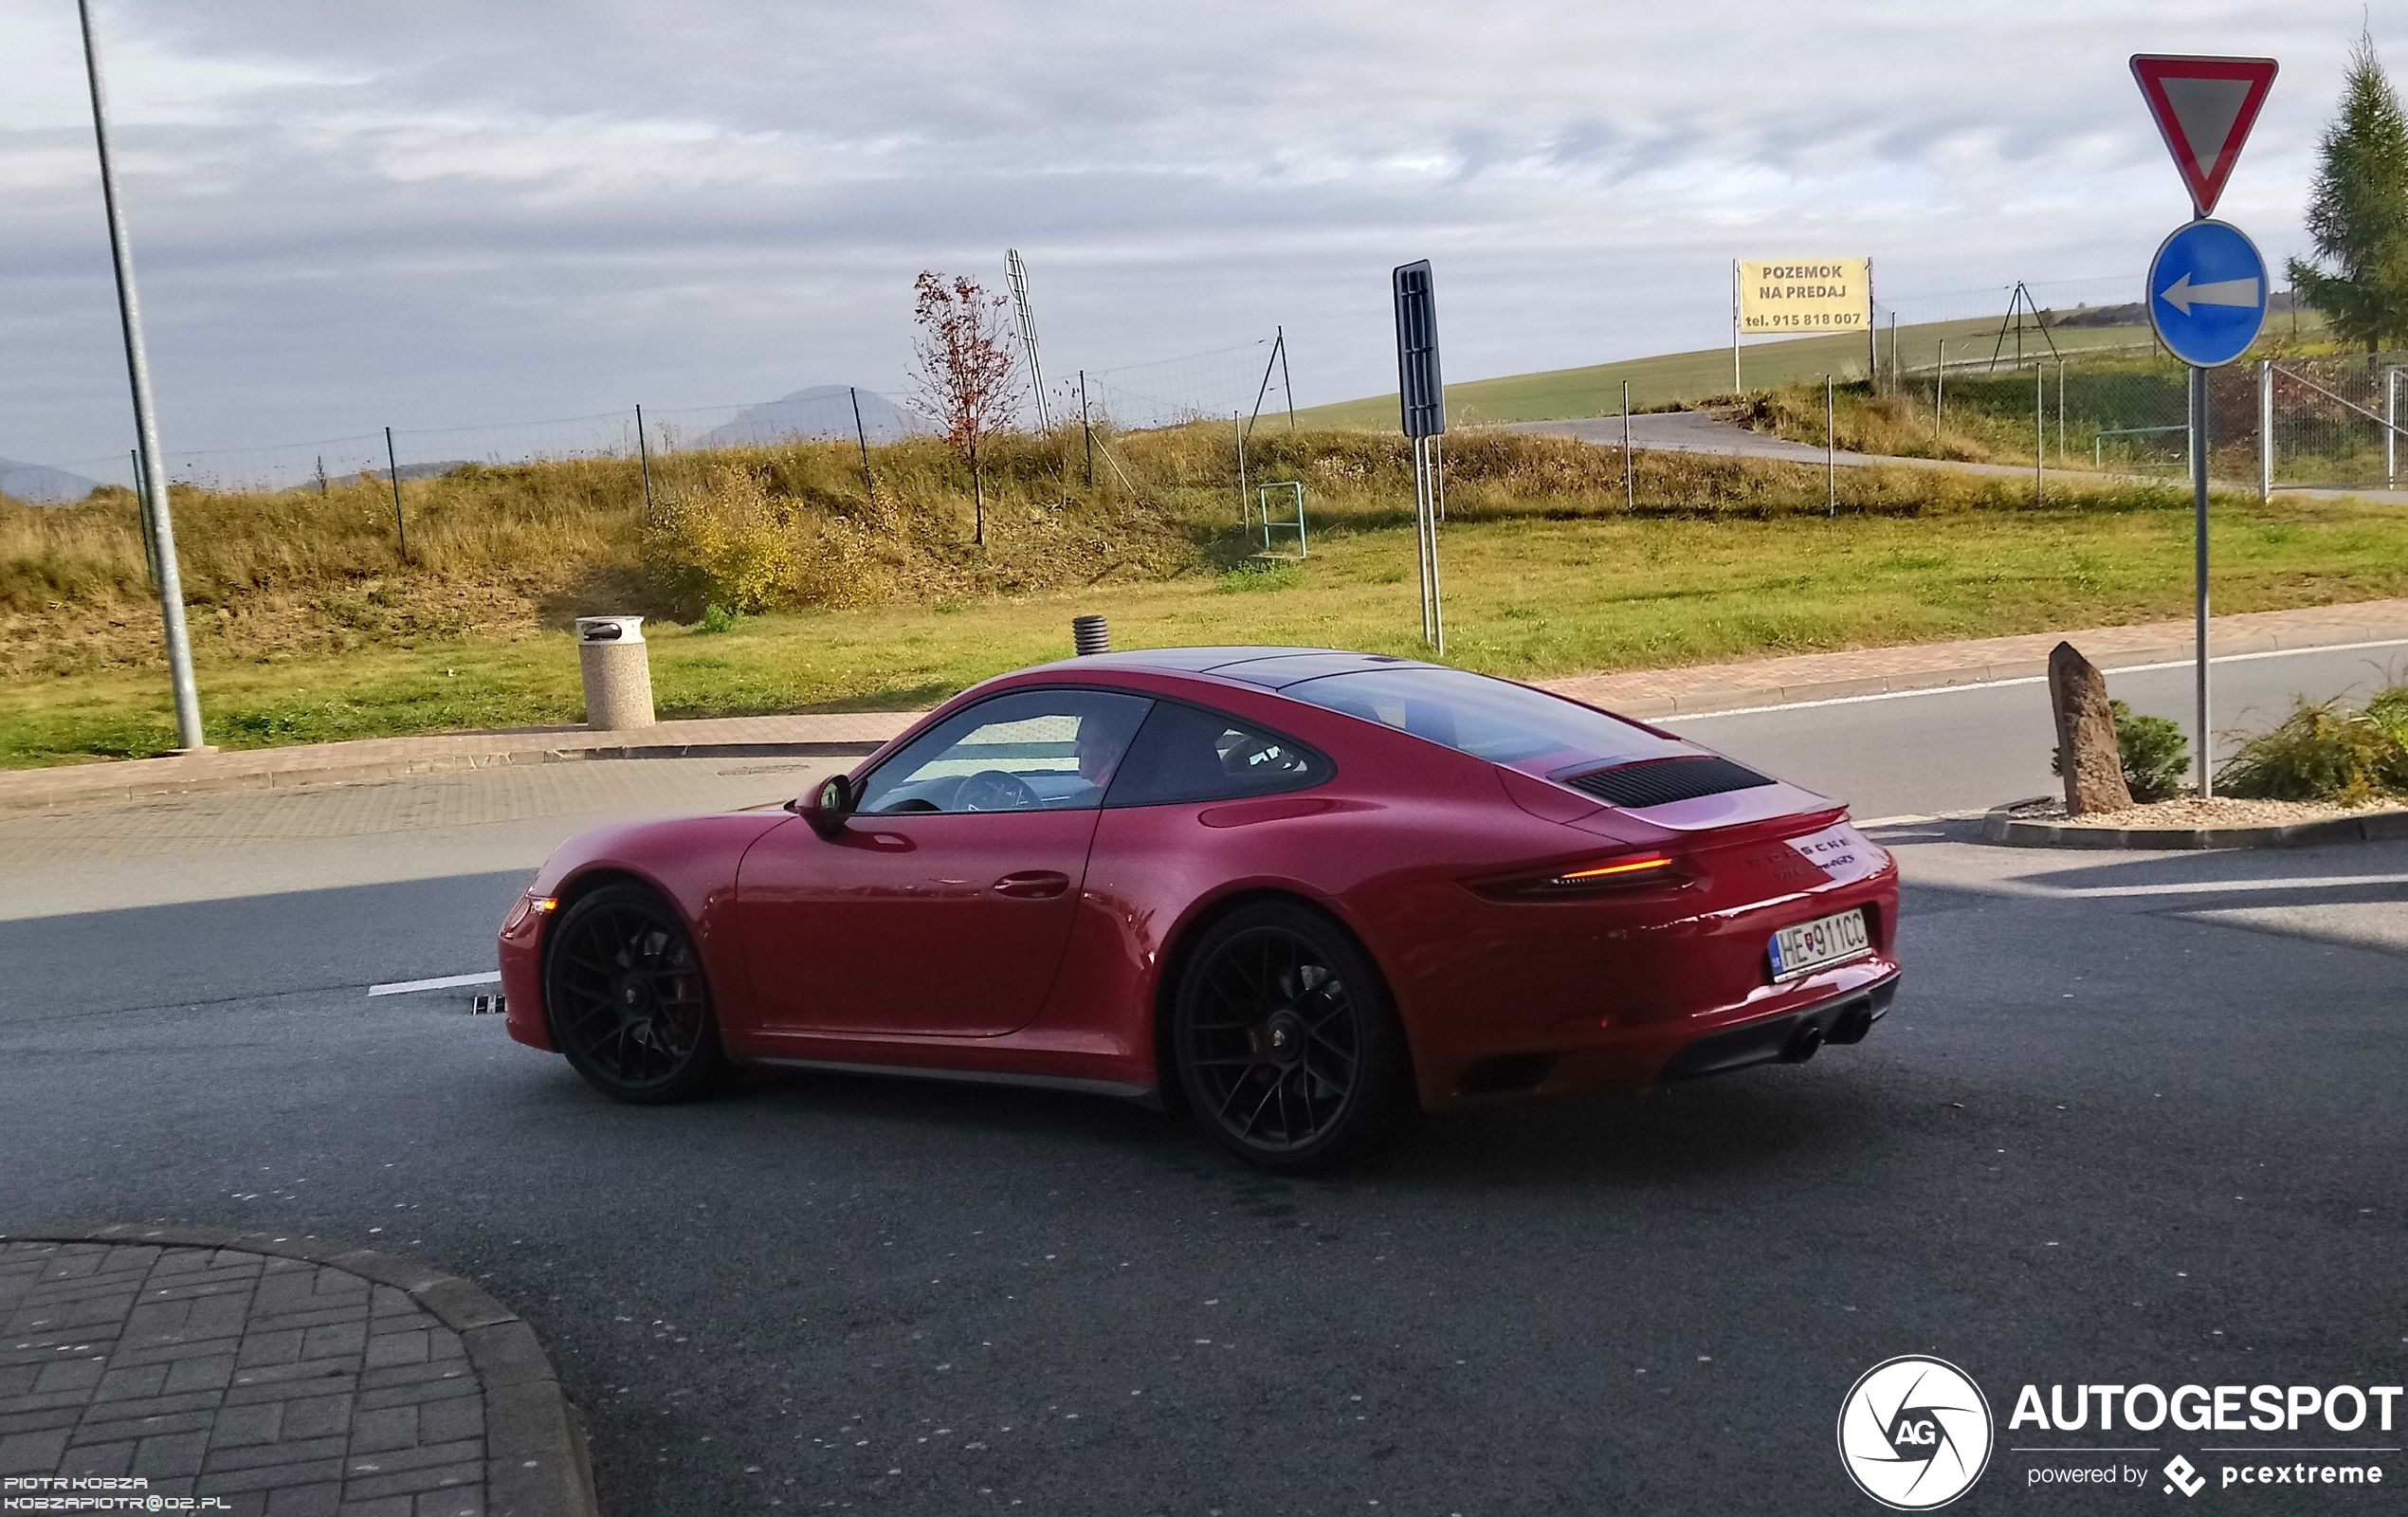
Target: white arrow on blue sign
2207	293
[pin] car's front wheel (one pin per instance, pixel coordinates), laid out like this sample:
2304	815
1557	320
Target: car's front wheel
628	1000
1288	1050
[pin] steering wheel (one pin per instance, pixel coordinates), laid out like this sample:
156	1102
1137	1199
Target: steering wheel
995	790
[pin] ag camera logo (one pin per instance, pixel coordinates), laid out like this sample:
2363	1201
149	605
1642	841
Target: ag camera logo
1914	1433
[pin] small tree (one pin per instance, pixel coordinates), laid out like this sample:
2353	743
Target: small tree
965	379
2358	211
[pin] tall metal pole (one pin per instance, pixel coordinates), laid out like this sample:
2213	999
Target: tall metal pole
2040	434
1629	476
2198	566
1939	383
152	483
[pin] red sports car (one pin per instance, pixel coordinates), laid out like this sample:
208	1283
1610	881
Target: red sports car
1305	895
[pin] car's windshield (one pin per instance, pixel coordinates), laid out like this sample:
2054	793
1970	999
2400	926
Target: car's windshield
1502	723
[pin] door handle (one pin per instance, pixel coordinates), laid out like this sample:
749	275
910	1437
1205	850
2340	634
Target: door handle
1033	885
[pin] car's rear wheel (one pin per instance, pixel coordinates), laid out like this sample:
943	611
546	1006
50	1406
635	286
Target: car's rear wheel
628	1000
1288	1050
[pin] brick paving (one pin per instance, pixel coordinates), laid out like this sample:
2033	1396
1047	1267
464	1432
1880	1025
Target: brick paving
1639	692
283	1387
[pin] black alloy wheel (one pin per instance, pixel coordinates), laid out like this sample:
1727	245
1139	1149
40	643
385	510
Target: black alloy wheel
629	1002
1288	1051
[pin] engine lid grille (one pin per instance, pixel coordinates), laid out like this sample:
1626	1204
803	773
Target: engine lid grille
1659	783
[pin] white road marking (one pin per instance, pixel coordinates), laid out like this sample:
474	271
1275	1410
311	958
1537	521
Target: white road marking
1676	718
404	987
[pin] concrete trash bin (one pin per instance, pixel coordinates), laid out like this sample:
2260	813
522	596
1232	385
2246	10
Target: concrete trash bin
618	672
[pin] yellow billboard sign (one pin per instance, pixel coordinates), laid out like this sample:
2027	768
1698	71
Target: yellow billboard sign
1804	295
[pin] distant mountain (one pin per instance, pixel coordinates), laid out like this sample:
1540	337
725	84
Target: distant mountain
40	484
817	414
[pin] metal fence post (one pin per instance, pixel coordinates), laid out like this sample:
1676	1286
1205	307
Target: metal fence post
2060	411
392	473
2265	429
2040	434
860	435
1629	475
2391	427
1831	448
150	543
1938	384
1237	422
1285	387
1086	428
643	462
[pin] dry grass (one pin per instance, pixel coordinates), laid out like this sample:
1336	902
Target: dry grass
308	627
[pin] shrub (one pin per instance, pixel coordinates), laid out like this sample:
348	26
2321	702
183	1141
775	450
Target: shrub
733	545
2325	751
2156	755
719	619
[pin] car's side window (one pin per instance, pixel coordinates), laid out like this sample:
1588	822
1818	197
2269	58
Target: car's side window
1184	753
1030	750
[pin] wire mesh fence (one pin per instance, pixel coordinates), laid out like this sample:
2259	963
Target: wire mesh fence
2336	420
1215	386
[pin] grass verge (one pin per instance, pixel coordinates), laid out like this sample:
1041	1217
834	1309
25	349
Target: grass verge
1546	574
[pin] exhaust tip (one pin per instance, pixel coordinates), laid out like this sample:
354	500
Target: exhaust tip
1851	1024
1807	1042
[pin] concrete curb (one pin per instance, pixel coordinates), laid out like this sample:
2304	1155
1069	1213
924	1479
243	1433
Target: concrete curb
373	771
2019	832
536	1459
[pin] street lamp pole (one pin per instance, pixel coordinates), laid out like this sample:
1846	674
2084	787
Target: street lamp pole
153	483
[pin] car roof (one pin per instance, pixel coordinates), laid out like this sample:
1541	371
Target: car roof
1271	669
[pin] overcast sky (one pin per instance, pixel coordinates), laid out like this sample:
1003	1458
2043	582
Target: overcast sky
441	213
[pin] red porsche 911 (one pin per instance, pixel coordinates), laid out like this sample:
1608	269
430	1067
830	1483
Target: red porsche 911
1304	895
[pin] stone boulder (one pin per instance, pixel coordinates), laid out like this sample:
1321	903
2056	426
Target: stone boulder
2086	753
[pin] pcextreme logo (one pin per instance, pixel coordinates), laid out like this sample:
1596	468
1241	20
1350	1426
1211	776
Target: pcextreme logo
1914	1433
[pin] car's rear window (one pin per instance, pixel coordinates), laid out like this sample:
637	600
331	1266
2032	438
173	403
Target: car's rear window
1502	723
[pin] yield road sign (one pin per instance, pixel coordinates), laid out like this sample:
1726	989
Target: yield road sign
2205	108
2207	293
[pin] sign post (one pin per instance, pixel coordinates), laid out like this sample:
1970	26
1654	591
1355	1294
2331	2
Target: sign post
2206	291
1422	400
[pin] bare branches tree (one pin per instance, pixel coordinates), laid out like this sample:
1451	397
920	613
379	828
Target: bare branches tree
965	379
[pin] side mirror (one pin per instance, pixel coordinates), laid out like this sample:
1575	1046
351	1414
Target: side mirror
827	806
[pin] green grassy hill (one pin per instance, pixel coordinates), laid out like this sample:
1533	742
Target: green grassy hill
1686	378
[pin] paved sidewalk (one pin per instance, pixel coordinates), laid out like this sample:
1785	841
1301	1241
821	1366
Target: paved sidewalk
280	1381
1639	692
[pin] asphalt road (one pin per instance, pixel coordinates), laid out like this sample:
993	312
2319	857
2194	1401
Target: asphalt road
2135	1118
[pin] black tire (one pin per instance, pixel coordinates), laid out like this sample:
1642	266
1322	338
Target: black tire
629	1001
1288	1050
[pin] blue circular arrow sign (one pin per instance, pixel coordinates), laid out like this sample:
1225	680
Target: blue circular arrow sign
2207	293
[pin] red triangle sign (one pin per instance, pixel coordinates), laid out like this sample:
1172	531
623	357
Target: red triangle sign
2205	108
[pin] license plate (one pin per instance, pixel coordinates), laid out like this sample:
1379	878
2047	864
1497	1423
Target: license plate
1806	947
